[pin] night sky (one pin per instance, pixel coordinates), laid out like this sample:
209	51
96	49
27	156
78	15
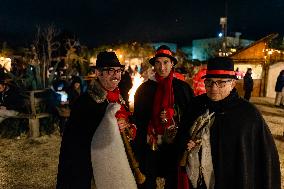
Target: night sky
97	22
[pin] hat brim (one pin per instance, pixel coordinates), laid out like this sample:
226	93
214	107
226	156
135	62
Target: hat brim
152	60
110	65
218	76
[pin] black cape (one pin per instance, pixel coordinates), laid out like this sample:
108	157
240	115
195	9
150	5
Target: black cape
75	167
243	151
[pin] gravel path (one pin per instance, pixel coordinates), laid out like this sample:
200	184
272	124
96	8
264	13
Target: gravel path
32	164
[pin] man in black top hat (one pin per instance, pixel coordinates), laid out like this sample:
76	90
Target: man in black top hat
158	106
225	141
84	129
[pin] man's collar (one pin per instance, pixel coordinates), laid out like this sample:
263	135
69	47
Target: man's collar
98	93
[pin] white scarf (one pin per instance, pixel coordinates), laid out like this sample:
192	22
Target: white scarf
111	168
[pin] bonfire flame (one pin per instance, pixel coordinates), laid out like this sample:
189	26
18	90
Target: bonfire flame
137	80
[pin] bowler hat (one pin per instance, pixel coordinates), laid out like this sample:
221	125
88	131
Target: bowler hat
107	59
220	67
163	51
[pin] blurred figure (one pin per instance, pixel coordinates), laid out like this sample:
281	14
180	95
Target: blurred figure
179	73
198	81
279	89
74	90
60	103
125	85
248	84
11	103
239	74
2	71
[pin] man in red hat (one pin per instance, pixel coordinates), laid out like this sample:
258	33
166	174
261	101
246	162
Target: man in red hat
158	106
226	142
91	145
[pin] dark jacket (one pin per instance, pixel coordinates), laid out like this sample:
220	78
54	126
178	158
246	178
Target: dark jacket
143	105
280	82
73	94
248	82
243	151
12	99
75	168
125	85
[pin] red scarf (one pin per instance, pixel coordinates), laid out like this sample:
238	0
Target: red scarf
113	96
163	100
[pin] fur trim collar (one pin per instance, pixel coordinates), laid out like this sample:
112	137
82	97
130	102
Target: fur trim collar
98	94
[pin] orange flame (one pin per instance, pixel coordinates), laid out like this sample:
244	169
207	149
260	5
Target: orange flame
137	80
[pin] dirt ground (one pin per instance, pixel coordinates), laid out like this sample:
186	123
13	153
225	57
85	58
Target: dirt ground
32	164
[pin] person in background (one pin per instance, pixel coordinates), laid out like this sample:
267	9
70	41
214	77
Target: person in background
226	136
179	73
59	104
75	169
248	84
159	104
239	74
11	102
74	90
279	89
125	85
198	81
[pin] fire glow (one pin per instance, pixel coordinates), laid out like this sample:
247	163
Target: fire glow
137	80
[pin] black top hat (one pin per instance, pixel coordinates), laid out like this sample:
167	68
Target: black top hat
220	67
107	59
163	51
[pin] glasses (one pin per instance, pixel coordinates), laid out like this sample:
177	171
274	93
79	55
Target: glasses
218	83
112	71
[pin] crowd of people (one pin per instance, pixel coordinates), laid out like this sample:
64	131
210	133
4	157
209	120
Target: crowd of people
174	139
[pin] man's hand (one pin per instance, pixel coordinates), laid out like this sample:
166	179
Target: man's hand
122	124
192	144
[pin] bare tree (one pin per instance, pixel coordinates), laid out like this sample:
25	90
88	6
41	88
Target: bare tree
49	34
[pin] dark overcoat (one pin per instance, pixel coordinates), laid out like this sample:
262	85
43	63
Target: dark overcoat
243	151
279	83
248	82
75	167
163	161
12	99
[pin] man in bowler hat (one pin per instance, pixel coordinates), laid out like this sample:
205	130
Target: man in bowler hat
159	104
75	169
228	142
